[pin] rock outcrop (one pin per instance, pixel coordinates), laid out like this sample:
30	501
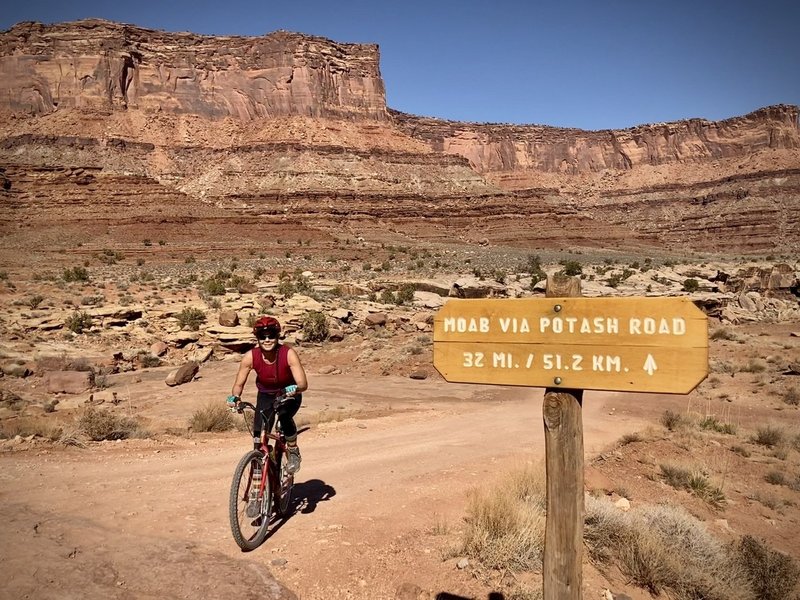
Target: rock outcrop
128	129
99	65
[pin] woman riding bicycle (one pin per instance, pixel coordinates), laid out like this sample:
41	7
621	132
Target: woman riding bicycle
278	371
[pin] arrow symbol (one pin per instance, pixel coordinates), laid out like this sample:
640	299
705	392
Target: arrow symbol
650	365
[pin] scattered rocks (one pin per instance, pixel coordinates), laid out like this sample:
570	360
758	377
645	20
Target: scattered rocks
418	375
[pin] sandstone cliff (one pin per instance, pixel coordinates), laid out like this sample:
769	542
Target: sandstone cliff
95	64
293	125
510	148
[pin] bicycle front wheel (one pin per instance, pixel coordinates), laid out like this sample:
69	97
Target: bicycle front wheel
249	507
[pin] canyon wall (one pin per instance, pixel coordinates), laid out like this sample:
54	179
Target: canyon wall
100	65
289	124
510	148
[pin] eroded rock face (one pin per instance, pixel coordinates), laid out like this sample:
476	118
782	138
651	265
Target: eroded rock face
127	127
512	148
94	64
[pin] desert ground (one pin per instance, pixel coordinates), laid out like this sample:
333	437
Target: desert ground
392	453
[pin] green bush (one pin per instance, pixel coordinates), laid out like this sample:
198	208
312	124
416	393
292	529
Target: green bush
213	287
75	274
405	295
571	268
691	285
78	321
191	318
315	326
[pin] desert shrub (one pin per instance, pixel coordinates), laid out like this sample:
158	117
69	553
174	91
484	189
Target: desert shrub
387	297
711	422
771	574
723	333
214	416
75	274
78	321
405	295
571	267
505	524
792	396
99	425
754	366
148	360
691	285
775	478
213	286
740	450
664	549
27	426
34	301
315	326
191	318
693	482
672	420
768	435
630	438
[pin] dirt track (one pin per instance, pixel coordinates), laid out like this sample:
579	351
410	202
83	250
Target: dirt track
148	518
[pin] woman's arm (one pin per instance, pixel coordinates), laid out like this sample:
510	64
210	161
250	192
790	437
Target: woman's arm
298	372
241	377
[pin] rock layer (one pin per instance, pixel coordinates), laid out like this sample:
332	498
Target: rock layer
120	127
99	65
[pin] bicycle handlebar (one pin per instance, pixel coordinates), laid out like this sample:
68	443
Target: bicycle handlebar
276	403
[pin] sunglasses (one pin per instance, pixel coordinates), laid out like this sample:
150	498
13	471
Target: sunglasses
267	334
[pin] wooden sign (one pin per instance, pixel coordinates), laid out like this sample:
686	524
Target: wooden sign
617	344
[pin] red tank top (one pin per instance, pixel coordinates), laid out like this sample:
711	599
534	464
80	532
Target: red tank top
272	377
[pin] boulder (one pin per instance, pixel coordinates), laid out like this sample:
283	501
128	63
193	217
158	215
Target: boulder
228	318
378	319
200	355
68	382
15	369
158	348
183	374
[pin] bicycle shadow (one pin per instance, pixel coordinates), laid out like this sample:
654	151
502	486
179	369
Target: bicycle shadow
305	497
307	494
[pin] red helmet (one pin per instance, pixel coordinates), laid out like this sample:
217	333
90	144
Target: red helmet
268	323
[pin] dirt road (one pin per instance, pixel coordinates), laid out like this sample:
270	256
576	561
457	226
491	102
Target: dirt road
148	518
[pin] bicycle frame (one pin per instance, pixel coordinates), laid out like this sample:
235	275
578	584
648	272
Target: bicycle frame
272	453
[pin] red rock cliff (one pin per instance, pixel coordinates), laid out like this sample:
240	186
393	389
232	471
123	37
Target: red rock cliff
498	148
95	64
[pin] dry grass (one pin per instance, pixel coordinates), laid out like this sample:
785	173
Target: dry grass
694	482
664	549
26	427
99	425
213	417
505	523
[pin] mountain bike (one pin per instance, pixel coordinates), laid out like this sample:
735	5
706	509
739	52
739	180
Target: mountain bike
261	482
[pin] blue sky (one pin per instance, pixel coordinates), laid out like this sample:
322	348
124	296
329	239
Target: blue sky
575	63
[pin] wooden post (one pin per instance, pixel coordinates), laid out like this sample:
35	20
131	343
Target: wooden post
563	436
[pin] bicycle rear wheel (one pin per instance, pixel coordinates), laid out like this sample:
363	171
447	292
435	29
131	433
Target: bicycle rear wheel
249	515
283	492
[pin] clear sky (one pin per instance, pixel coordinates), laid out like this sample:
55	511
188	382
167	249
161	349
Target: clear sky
591	64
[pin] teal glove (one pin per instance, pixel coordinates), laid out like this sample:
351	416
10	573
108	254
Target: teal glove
232	401
290	390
